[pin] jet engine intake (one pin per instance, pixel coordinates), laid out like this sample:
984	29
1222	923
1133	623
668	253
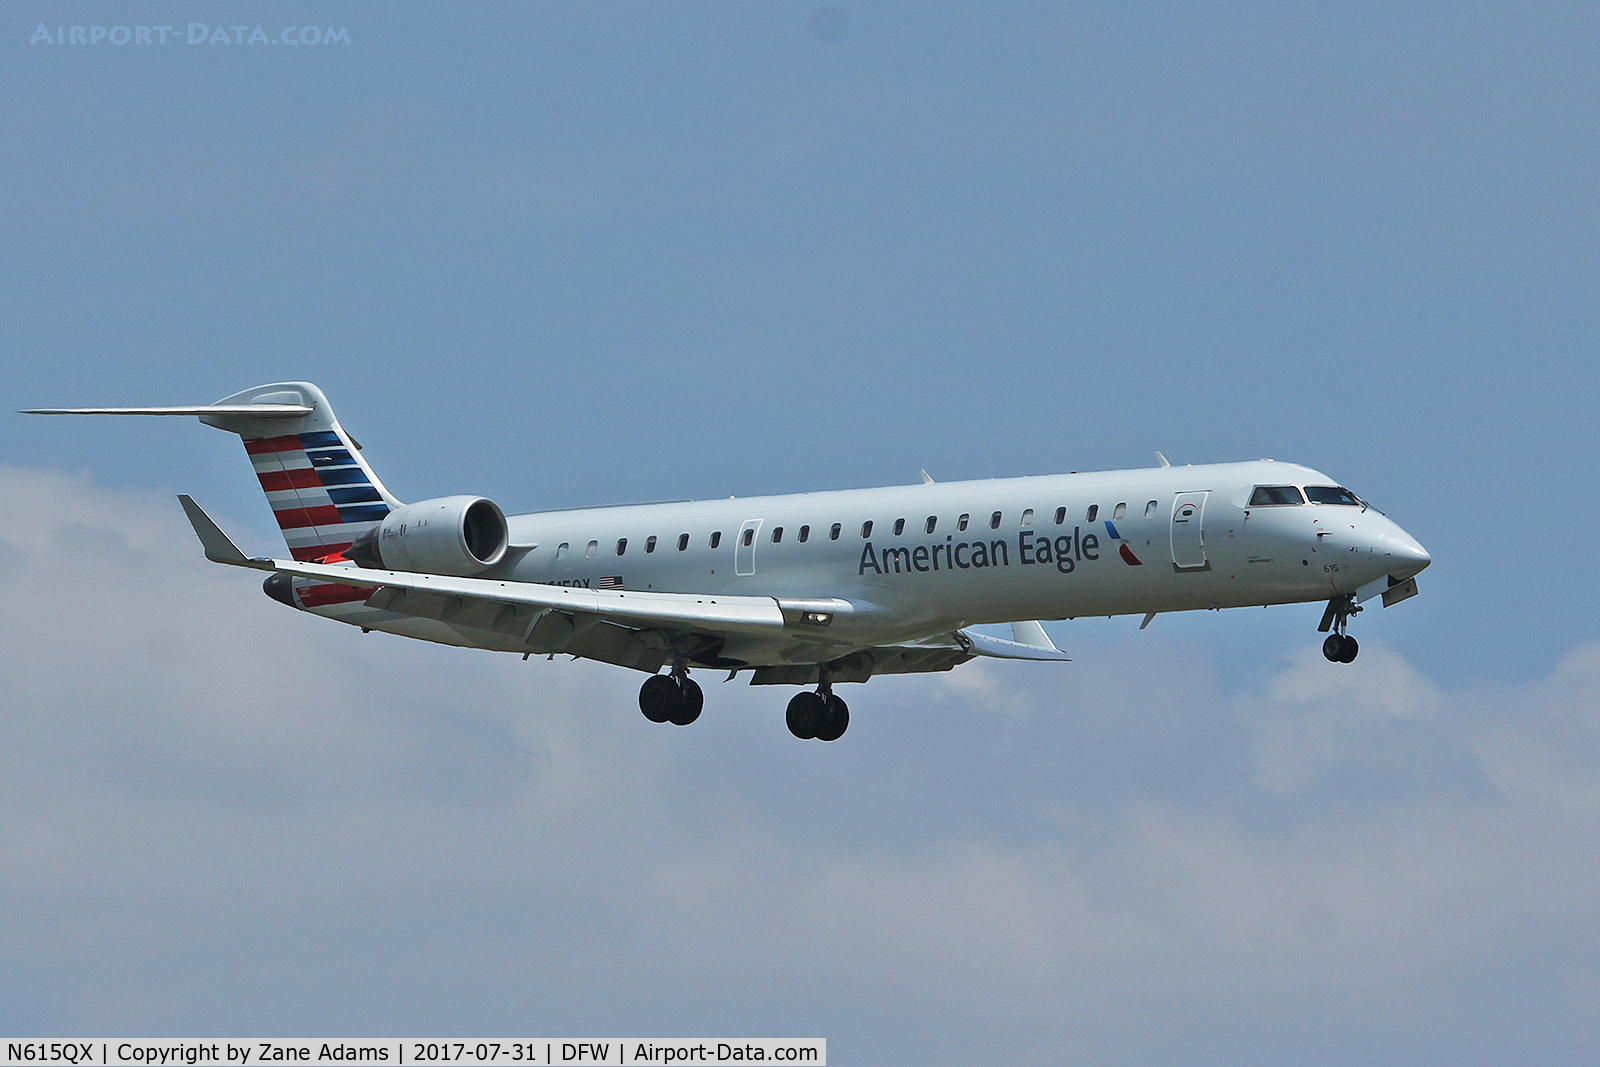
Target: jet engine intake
454	535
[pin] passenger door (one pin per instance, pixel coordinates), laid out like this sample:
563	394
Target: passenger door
1188	534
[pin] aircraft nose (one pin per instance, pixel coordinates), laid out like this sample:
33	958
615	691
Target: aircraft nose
1408	556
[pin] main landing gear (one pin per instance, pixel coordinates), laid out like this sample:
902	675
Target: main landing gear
819	715
676	699
1340	647
673	698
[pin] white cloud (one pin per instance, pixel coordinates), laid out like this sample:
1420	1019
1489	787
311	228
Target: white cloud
221	816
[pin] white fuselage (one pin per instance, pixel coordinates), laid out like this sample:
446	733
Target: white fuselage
935	558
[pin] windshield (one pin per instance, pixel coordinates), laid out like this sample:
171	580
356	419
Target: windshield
1275	494
1331	494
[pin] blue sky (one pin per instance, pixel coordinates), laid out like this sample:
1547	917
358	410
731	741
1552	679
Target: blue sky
569	254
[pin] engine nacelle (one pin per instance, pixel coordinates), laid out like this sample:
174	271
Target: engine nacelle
455	535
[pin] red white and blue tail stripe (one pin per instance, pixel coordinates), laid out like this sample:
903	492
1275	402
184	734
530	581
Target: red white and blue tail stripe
322	493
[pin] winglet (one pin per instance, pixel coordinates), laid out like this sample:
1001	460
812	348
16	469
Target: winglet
219	547
1032	634
977	644
1163	460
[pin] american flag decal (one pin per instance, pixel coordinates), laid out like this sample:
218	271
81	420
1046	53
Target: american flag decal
613	581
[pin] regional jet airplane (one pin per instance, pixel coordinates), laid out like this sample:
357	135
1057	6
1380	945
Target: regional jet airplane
811	589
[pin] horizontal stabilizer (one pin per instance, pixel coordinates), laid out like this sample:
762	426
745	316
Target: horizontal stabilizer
259	411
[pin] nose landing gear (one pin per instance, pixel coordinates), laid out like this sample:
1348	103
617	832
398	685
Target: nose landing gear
1339	647
673	698
819	715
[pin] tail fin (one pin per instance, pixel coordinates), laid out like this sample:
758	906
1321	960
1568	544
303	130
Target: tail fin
322	491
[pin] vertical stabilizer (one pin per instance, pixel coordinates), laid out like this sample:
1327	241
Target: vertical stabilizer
322	492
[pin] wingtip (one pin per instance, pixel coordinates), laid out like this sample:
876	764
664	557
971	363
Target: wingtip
219	547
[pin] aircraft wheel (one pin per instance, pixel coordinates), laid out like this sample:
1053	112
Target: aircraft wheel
805	712
660	697
1333	648
835	719
1348	653
691	699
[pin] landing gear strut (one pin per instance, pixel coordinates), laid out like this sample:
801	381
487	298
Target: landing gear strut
819	715
1340	647
674	698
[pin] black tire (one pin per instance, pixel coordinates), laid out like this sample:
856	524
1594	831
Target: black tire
1348	653
805	713
835	719
659	698
691	699
1333	648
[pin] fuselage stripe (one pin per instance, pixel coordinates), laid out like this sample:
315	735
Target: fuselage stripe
314	596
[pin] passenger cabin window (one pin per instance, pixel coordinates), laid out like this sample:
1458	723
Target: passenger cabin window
1027	517
1092	514
1150	508
749	537
590	549
833	531
1122	509
683	542
716	539
650	544
805	534
1061	516
561	550
777	534
994	521
1268	495
866	528
1332	494
899	527
622	545
927	527
961	523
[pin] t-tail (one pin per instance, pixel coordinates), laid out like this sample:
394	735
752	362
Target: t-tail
322	492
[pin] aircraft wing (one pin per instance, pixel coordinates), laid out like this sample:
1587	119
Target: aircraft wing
920	657
720	614
743	613
538	613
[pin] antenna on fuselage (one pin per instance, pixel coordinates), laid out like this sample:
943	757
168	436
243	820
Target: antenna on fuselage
926	480
1163	460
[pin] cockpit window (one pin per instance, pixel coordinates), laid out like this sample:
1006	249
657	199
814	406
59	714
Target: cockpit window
1332	494
1275	494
